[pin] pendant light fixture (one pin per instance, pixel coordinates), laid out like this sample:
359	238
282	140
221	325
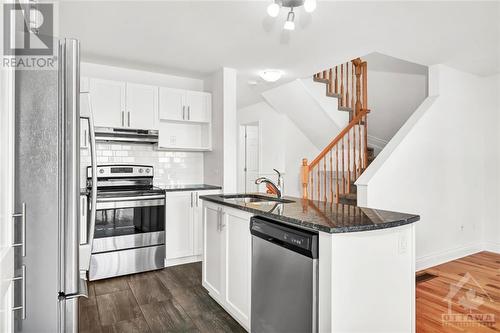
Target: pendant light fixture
274	9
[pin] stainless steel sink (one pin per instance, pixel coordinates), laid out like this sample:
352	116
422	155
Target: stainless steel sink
254	199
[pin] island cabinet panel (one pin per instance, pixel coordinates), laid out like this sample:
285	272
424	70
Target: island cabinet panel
227	259
213	251
238	263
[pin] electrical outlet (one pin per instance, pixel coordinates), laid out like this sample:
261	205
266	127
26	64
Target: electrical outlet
402	243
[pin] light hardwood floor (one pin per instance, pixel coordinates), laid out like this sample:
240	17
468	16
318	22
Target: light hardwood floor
168	300
474	282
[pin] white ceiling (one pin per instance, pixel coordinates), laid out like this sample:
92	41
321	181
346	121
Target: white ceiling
195	38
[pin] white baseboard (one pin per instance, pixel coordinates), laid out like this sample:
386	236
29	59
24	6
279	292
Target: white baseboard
439	258
492	247
182	261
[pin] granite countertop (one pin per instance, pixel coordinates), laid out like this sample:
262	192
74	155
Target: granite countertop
189	187
320	215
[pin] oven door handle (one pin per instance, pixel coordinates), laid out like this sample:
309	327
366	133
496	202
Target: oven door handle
130	204
135	198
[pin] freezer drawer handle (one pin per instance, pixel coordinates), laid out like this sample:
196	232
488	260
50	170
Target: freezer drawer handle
22	215
23	293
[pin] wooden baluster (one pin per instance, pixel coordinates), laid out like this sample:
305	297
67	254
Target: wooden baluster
357	65
311	193
360	151
347	84
319	182
352	90
343	167
366	141
354	153
337	174
305	178
336	80
330	82
365	86
325	198
325	73
342	97
349	161
331	175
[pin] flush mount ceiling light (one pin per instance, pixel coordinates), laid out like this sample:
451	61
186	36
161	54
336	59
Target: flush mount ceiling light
271	75
274	9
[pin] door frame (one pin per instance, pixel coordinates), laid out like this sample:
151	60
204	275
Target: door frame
7	131
241	173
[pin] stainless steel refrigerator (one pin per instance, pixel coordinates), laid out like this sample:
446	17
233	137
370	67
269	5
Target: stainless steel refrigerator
47	193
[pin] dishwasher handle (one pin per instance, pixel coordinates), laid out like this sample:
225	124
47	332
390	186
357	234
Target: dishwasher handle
295	239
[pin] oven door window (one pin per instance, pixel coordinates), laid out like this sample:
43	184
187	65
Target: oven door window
129	218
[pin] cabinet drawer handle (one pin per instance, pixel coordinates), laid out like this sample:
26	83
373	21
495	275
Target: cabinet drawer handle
22	215
22	307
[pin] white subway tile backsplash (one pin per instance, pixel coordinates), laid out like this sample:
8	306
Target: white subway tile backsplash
170	167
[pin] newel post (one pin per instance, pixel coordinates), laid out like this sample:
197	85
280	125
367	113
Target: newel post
358	67
305	177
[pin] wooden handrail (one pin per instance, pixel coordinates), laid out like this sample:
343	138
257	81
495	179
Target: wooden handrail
337	139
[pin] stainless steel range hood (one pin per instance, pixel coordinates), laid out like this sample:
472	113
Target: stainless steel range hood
109	134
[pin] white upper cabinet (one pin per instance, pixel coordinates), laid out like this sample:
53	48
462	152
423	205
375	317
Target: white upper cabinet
184	105
171	104
142	103
108	102
198	106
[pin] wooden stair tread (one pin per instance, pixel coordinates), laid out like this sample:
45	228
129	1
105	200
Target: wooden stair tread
321	80
348	196
345	108
332	94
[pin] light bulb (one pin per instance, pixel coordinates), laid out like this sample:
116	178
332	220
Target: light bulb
310	5
289	25
273	9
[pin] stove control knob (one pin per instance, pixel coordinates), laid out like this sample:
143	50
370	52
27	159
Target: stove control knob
148	170
101	170
141	170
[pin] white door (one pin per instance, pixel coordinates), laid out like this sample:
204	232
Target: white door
237	239
171	104
6	200
213	248
249	156
179	225
108	102
141	106
197	104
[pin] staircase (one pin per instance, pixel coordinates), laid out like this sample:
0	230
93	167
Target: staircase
331	175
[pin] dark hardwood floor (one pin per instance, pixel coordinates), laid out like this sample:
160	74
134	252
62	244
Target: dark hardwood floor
168	300
461	296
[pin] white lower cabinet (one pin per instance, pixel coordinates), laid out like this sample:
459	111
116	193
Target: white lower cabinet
227	259
183	227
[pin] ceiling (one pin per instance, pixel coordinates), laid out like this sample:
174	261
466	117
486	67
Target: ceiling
195	38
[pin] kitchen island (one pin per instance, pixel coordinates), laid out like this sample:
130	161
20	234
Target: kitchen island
366	260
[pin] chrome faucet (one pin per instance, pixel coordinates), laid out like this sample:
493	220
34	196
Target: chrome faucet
277	187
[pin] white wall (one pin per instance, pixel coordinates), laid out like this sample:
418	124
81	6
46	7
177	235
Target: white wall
283	145
434	167
392	98
220	164
491	228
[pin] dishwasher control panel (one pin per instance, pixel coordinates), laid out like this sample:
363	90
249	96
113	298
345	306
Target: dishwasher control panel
303	241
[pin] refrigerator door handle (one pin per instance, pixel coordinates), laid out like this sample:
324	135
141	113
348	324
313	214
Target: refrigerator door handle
22	215
22	307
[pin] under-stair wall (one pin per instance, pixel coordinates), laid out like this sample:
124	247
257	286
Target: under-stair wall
434	166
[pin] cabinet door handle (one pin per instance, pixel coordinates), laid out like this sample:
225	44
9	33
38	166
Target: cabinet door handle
191	199
123	118
129	119
197	199
85	138
22	307
22	215
183	112
189	112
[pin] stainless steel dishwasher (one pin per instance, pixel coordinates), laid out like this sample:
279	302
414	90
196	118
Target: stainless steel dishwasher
284	278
